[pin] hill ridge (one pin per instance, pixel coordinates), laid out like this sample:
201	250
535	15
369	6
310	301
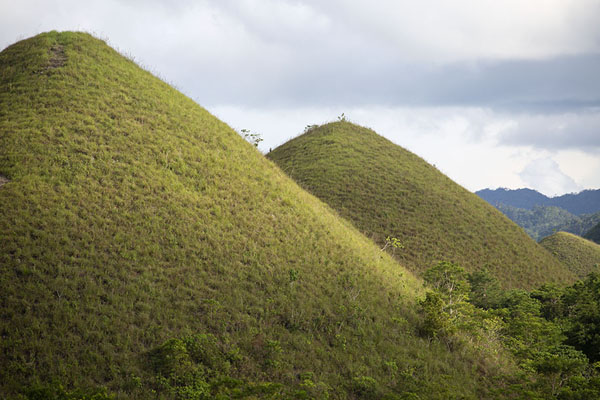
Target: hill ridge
386	190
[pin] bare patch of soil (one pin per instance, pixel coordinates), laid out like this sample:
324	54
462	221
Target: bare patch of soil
57	57
3	180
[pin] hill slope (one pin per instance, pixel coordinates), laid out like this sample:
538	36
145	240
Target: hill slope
146	247
580	255
387	191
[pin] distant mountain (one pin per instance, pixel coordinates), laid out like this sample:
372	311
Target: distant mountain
581	256
593	234
542	221
585	202
519	198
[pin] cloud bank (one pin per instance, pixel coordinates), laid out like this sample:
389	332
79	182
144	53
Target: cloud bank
504	82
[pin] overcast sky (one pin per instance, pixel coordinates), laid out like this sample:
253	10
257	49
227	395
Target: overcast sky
494	93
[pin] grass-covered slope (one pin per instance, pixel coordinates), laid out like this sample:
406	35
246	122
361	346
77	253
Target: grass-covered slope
386	190
580	255
145	246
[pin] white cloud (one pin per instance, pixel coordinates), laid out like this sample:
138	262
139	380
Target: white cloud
462	142
572	130
444	31
545	175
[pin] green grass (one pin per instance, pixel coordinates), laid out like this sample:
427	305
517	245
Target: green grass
580	255
134	225
386	190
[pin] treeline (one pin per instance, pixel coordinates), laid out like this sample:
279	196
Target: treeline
553	333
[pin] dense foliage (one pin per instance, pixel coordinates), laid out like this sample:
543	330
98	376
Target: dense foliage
542	221
593	234
386	190
553	333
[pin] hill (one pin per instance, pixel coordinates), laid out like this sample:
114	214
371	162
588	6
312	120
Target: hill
145	247
580	255
584	202
593	234
387	191
542	221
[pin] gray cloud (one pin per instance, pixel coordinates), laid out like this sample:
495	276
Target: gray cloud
511	73
329	53
580	130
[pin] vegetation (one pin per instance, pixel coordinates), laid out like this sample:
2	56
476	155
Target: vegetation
584	202
593	234
552	332
148	251
387	191
580	255
542	221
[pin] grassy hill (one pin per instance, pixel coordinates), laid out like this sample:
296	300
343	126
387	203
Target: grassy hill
145	247
386	190
593	234
580	255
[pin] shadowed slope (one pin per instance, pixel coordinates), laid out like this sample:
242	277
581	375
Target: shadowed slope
580	255
593	234
131	216
387	191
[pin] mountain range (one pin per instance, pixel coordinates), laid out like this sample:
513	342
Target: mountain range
584	202
541	216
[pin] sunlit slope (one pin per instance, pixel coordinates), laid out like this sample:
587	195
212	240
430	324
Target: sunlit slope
580	255
386	190
131	216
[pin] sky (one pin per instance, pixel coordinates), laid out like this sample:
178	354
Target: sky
493	93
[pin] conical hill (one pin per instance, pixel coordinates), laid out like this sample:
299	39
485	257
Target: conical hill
145	247
387	191
580	255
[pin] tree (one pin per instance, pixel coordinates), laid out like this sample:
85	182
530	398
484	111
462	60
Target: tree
450	281
485	289
253	138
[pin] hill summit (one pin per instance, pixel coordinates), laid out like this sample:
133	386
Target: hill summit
387	191
145	247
